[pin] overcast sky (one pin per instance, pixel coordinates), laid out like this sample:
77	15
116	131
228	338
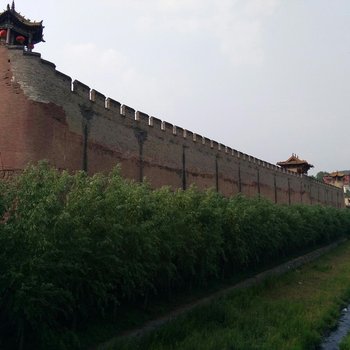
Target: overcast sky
267	77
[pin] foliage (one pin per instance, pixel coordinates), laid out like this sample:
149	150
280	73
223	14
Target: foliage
289	312
320	175
345	344
76	247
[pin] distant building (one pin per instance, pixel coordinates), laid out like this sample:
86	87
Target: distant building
295	164
340	179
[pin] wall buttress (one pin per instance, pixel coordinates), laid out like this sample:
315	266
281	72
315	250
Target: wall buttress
216	173
184	182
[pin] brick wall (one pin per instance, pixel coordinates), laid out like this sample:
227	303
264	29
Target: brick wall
44	115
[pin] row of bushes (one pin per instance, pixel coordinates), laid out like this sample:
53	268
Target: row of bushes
76	247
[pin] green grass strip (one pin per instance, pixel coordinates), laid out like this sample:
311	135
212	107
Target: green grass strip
345	344
289	312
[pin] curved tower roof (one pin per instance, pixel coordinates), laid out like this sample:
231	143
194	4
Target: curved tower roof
18	29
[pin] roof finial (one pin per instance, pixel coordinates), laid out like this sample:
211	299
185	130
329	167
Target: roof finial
13	5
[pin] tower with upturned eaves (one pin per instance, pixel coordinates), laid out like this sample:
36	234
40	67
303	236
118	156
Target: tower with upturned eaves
15	29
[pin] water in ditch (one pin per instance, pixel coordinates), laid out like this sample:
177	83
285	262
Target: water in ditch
333	340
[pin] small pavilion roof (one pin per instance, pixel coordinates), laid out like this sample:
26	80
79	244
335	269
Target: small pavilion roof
11	17
10	11
336	174
294	160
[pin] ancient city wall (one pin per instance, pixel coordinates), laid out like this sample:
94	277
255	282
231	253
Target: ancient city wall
44	115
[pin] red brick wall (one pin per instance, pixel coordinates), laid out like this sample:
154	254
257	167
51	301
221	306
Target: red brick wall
30	130
42	116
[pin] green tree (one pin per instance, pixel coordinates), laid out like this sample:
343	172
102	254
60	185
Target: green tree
321	174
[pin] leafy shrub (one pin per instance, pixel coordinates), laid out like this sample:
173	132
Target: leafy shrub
75	247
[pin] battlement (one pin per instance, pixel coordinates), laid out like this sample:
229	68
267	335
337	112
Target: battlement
103	131
91	95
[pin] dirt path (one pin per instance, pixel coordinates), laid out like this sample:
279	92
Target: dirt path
276	271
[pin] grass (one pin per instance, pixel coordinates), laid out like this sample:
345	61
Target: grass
290	312
135	315
345	344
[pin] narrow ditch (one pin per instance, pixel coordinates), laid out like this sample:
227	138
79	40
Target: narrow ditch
276	271
334	339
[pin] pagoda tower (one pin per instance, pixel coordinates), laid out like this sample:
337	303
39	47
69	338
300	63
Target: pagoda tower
15	29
